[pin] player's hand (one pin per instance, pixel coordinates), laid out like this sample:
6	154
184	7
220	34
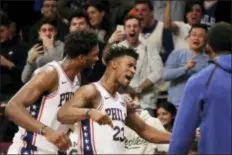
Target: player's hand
137	90
100	117
132	103
60	139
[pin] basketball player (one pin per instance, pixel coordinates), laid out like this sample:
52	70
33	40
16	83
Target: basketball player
102	111
35	106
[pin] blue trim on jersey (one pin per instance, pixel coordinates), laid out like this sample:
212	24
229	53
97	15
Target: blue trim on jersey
25	151
87	141
29	147
35	108
34	111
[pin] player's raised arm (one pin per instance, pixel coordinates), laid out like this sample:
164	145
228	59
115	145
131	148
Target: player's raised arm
146	131
83	105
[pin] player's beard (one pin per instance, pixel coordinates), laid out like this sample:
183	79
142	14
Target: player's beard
88	71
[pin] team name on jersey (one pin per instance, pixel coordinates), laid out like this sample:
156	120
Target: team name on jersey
64	97
116	114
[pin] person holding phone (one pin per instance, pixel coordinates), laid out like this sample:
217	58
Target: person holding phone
183	63
149	65
45	50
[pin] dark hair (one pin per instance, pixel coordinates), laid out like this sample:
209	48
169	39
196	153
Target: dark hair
220	37
50	21
119	51
168	106
4	20
128	17
147	2
202	26
79	14
79	43
101	5
189	6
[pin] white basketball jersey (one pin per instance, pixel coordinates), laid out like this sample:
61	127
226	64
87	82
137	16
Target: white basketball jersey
45	110
102	139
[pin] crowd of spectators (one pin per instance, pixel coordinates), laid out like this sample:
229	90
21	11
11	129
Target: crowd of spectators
169	36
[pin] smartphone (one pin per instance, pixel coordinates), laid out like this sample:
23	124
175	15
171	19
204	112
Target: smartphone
40	43
120	28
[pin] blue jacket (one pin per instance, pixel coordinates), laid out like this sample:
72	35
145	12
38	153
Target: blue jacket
175	72
206	103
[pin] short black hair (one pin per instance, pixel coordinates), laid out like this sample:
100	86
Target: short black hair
202	26
79	14
148	2
128	17
79	43
189	6
220	37
4	20
51	21
119	51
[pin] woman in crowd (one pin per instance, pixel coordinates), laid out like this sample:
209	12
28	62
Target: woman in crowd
166	113
98	18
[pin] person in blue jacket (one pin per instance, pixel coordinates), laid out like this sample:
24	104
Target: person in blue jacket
207	101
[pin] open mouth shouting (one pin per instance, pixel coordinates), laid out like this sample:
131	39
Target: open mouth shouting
128	78
132	35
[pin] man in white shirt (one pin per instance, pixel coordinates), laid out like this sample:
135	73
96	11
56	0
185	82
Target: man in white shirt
152	29
149	65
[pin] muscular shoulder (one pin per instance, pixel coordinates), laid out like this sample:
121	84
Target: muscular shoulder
46	77
90	94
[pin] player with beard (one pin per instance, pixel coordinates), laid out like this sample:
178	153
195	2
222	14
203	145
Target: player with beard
38	101
149	65
102	111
